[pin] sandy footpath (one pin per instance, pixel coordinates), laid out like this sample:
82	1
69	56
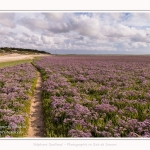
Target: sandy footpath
36	121
13	57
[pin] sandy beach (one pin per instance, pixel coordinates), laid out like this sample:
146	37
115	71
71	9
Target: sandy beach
13	57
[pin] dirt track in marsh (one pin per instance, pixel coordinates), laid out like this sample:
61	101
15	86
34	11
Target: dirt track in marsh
36	125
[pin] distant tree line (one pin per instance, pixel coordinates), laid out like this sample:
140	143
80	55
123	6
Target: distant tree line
13	49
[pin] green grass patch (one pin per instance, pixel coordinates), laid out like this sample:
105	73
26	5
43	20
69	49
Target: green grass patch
13	63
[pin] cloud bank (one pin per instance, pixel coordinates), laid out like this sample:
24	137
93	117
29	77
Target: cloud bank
77	32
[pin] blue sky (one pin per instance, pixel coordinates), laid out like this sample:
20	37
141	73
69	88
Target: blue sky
78	32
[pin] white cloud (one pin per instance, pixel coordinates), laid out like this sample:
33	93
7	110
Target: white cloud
34	38
7	20
126	45
139	44
76	31
86	26
47	40
137	19
3	31
54	16
34	24
44	25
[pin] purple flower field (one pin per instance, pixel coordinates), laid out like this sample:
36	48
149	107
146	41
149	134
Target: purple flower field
15	90
93	96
